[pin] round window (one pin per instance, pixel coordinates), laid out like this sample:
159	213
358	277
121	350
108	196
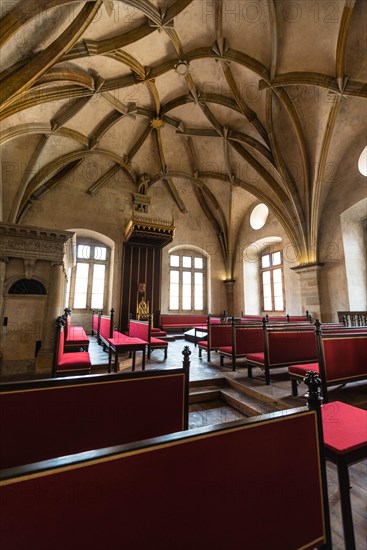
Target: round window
259	216
362	162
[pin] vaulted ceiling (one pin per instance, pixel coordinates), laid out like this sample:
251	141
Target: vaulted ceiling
267	95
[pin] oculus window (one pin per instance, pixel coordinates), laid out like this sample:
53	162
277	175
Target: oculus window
259	215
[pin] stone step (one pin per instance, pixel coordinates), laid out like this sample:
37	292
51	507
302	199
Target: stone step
218	381
246	404
259	390
205	394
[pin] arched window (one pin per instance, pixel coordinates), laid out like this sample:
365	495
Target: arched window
187	282
271	276
27	286
87	285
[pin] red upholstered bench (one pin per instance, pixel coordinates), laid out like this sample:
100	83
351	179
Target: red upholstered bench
284	345
218	335
72	363
345	439
143	330
76	338
246	338
342	357
170	322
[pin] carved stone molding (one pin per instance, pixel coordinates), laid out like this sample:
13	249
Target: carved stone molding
34	243
307	268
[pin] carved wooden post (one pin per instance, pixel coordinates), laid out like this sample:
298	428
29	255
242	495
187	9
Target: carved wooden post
59	324
233	344
186	352
112	320
266	349
314	400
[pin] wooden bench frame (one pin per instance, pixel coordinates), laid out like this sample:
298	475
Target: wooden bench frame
218	335
143	330
74	344
266	364
241	343
186	321
140	459
70	414
323	333
59	353
96	320
117	343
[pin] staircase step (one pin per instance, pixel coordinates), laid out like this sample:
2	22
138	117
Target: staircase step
206	394
257	389
247	404
215	382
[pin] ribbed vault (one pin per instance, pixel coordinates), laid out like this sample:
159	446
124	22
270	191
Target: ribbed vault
249	94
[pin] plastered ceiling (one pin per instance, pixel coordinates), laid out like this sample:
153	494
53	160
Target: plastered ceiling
267	95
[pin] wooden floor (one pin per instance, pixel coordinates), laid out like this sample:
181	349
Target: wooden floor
219	395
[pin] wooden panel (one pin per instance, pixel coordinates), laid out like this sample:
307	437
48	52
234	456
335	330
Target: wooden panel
142	264
239	498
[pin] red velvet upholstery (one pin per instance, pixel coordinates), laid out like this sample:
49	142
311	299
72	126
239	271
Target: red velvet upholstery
256	358
291	346
300	370
76	335
156	342
72	362
226	350
345	358
158	333
142	330
95	322
345	427
120	339
77	507
168	321
342	357
45	422
139	329
220	335
104	329
248	339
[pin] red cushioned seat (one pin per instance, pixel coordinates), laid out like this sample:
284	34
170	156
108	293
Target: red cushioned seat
120	339
345	427
157	342
301	370
158	333
226	349
256	358
203	343
74	361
